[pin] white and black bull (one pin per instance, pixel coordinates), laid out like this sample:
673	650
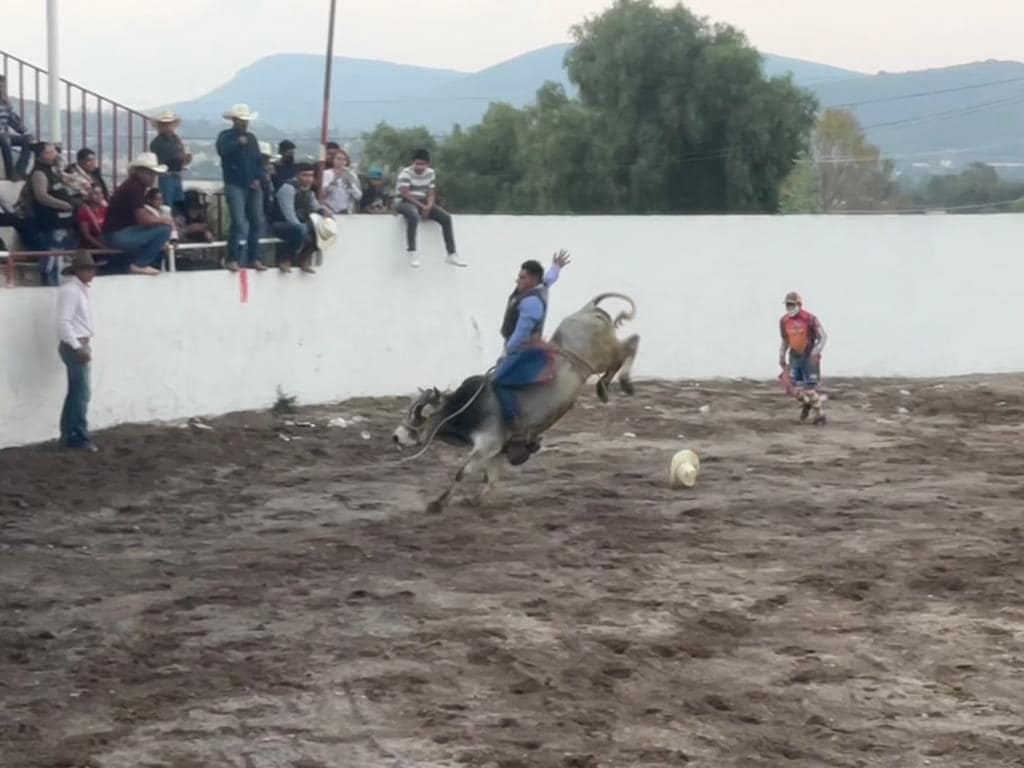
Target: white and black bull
585	345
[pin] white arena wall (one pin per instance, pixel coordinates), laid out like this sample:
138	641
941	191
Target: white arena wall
899	295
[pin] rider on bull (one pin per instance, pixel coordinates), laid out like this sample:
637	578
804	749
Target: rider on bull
804	338
525	358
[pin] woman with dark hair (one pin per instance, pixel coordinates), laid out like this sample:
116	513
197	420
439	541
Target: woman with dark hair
45	206
85	174
342	190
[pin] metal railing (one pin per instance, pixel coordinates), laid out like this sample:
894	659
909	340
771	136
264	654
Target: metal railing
116	133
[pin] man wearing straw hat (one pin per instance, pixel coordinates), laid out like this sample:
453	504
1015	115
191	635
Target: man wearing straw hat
242	167
803	337
75	331
170	151
131	226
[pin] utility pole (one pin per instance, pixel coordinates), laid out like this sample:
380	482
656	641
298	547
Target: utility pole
324	125
53	76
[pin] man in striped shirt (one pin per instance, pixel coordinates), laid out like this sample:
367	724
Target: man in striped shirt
417	190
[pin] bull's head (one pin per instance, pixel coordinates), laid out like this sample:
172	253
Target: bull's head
420	414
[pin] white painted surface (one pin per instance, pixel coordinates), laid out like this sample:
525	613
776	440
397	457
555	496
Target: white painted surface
910	296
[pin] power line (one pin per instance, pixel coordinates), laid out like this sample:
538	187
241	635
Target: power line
921	94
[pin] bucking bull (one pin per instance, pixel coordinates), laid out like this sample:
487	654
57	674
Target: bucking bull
584	345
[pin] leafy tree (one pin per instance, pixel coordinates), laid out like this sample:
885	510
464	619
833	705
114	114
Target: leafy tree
392	148
854	175
801	192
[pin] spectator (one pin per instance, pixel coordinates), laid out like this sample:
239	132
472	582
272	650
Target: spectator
286	167
90	217
191	219
417	188
13	134
342	191
45	206
266	181
75	331
376	198
243	169
86	173
130	226
155	205
332	147
296	204
170	151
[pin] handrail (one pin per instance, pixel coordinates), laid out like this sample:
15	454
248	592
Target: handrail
136	142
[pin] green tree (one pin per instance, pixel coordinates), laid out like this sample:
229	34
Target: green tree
801	192
854	175
685	110
979	185
392	148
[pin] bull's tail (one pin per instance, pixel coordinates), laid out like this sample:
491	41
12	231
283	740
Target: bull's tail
622	317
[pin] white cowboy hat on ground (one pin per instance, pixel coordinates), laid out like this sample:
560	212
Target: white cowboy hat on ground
148	161
684	470
326	230
240	112
165	117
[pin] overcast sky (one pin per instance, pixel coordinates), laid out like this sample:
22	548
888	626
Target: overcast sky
149	53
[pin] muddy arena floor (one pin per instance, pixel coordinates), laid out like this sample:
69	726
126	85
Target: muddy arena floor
845	596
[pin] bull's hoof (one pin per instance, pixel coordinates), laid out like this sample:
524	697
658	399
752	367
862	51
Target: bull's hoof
602	391
434	508
518	453
627	386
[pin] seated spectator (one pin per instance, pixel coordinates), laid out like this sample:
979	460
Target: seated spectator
130	226
45	206
90	217
13	134
190	218
155	204
376	198
417	188
342	191
85	174
296	203
170	151
331	147
286	166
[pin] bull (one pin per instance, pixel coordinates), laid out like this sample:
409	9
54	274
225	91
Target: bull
584	345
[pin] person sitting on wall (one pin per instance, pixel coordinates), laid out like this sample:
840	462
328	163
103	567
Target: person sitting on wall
90	217
342	190
156	205
417	188
296	203
131	226
376	198
45	206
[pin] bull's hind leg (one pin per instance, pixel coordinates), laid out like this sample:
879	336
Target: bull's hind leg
629	348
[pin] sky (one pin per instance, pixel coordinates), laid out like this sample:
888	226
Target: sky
143	54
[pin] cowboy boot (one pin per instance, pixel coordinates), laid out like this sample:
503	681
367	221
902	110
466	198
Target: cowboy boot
517	448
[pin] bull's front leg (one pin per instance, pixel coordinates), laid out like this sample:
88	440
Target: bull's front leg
484	451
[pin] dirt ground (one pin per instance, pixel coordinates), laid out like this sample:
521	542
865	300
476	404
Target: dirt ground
843	596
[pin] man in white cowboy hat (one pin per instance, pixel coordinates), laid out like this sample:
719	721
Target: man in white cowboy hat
803	337
75	331
242	167
170	151
131	226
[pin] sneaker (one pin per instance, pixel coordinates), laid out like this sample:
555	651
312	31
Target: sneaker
285	266
259	266
231	266
137	270
414	259
307	268
455	261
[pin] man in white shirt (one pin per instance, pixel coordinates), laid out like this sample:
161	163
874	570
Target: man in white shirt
417	192
75	330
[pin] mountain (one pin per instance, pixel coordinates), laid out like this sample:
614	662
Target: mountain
938	118
285	89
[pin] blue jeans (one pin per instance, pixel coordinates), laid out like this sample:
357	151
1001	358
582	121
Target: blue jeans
804	373
50	266
144	245
515	372
171	188
245	205
297	238
74	430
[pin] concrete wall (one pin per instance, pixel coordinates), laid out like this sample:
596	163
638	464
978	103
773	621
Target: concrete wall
912	296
